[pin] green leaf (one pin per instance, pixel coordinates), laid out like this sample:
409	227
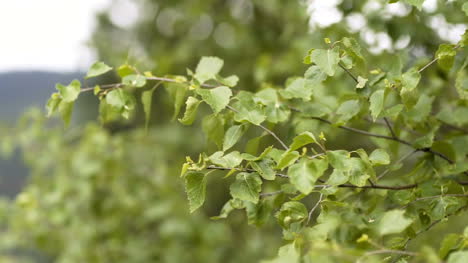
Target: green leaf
137	81
247	187
264	168
291	212
353	50
416	3
213	127
287	159
458	257
97	69
121	100
146	100
190	111
361	82
70	92
379	157
298	88
461	81
450	242
53	103
421	111
377	100
195	187
226	210
304	174
302	140
393	222
465	8
208	68
230	81
177	93
247	109
286	254
338	159
348	110
315	75
358	172
258	214
116	98
66	109
125	70
230	160
327	60
338	177
232	136
410	80
446	56
218	98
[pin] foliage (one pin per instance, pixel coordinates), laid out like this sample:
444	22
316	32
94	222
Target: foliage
352	160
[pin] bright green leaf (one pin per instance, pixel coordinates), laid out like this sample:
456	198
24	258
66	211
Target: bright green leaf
247	187
190	111
327	60
218	98
304	174
195	187
146	100
287	159
379	157
213	127
377	100
232	136
446	56
208	68
230	160
393	222
97	69
264	168
416	3
348	110
70	92
458	257
137	81
302	140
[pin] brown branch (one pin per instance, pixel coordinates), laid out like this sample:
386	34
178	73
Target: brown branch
375	186
390	127
434	197
349	72
314	208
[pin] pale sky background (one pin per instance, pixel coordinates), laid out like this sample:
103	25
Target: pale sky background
51	35
46	34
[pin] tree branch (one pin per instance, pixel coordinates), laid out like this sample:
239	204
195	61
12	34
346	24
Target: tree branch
265	129
375	186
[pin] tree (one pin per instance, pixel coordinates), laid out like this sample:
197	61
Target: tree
354	160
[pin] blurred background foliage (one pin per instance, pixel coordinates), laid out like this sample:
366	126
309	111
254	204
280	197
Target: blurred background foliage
112	193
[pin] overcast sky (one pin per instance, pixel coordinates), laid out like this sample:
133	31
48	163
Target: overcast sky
46	34
51	35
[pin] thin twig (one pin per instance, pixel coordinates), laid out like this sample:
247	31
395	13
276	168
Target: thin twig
314	208
271	193
404	157
265	129
248	170
387	251
428	65
434	197
390	127
434	61
375	186
349	72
